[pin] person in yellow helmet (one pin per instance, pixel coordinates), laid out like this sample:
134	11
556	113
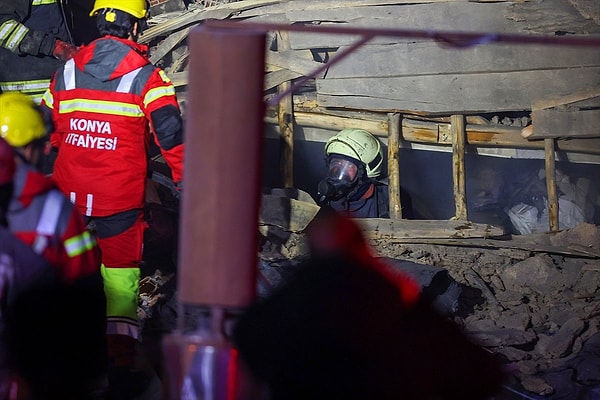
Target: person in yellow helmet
109	104
20	267
44	220
39	214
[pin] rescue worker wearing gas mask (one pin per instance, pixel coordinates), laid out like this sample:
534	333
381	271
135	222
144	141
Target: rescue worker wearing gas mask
354	159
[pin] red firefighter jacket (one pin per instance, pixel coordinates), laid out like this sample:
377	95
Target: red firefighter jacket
42	217
106	101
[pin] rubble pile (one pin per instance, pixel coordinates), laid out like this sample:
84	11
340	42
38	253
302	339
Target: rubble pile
533	302
531	299
539	311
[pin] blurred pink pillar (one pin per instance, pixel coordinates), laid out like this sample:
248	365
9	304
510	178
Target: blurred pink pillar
223	163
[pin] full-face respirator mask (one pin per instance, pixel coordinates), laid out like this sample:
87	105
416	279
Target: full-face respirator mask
343	178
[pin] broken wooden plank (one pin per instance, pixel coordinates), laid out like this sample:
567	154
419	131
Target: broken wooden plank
439	16
286	213
276	78
296	61
574	115
194	17
573	97
565	123
284	7
553	17
518	242
424	58
168	44
381	228
466	93
272	79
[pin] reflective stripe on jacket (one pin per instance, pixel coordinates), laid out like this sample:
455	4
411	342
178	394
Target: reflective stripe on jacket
43	218
104	102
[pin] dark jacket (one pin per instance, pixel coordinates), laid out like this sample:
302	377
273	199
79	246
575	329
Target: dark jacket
29	30
375	206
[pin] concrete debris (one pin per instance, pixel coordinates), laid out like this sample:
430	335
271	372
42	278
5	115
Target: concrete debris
536	310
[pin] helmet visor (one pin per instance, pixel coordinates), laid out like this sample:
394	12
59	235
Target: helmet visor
341	169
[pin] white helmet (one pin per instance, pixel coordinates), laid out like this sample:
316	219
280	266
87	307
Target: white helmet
360	145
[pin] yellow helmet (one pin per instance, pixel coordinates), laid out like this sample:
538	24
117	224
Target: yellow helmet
137	8
21	121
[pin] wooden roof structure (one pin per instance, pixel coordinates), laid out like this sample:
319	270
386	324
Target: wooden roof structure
558	85
414	90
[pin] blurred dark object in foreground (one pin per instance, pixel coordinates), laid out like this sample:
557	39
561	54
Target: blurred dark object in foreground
342	328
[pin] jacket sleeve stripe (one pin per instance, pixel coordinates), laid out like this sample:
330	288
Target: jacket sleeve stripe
157	93
48	99
100	107
78	245
11	34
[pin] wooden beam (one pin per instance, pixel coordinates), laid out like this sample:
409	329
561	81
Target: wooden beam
445	93
489	135
293	61
555	101
220	11
387	228
457	126
276	78
526	243
429	58
377	128
394	166
580	119
285	115
168	44
551	184
427	132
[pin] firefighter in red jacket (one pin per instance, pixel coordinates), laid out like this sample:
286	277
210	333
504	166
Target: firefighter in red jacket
68	360
20	267
108	104
34	41
39	213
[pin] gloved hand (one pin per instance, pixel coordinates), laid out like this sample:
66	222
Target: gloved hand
63	50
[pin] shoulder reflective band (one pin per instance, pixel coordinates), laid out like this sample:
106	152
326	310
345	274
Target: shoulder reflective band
48	220
127	80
